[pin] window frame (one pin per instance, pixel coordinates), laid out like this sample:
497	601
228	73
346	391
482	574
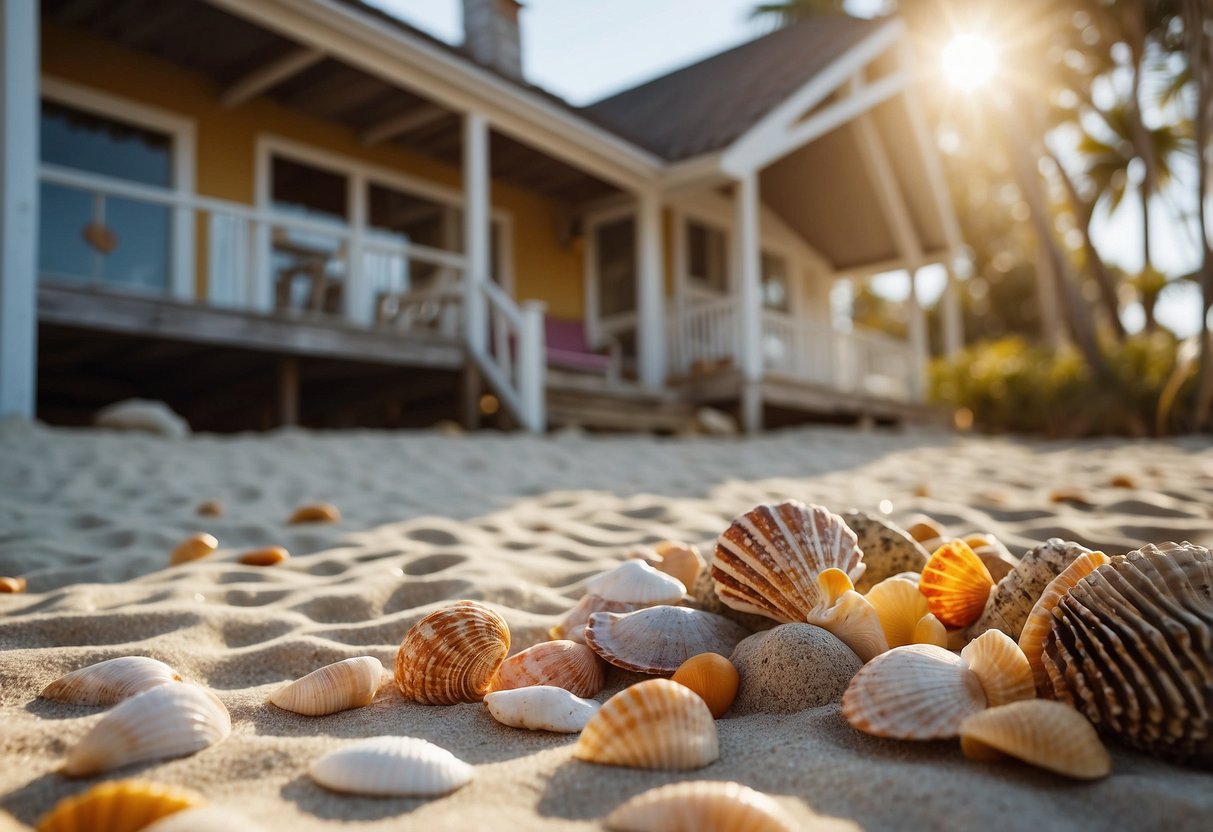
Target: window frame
597	327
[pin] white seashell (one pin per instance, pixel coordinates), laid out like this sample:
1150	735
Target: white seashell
848	615
109	682
164	722
635	582
572	626
700	806
391	767
541	708
336	687
658	640
204	819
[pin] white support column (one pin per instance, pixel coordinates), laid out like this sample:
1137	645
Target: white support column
18	205
476	230
749	305
650	291
953	320
917	326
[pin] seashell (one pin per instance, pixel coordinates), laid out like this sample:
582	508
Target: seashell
118	806
768	560
452	654
1014	595
164	722
657	640
315	513
194	547
900	607
680	560
1040	620
340	686
562	663
1131	647
12	585
110	682
204	819
713	677
956	584
700	806
572	626
654	724
391	767
541	708
1046	734
1070	494
266	556
925	529
887	550
635	582
1001	667
704	597
1122	481
997	557
928	630
848	615
210	508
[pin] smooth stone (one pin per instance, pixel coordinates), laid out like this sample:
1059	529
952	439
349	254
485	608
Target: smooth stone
887	550
791	668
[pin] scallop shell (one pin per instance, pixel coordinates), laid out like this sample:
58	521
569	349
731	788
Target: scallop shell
635	582
1001	667
956	584
700	806
900	607
541	708
452	654
1014	595
210	508
109	682
887	550
572	626
340	686
848	615
657	640
391	767
713	677
315	513
194	547
655	724
680	560
118	806
12	585
1040	620
562	663
768	560
1131	647
997	558
265	556
204	819
928	630
1046	734
164	722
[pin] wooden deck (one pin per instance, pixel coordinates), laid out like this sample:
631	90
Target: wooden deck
590	401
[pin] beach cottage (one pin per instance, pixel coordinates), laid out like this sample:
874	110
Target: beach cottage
307	211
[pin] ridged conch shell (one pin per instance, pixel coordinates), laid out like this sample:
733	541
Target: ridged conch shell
164	722
956	584
204	819
118	806
713	677
657	640
572	626
768	560
1131	647
12	585
655	724
391	767
109	682
848	615
635	582
340	686
452	654
680	560
315	513
887	550
1046	734
1040	620
1015	595
562	663
194	547
900	607
541	708
265	556
700	806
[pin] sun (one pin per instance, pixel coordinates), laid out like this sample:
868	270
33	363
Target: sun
969	61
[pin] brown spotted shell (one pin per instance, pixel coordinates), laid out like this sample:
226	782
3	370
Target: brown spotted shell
452	654
658	640
1013	597
887	550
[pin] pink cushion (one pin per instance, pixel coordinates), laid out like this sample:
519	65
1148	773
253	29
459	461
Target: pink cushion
566	346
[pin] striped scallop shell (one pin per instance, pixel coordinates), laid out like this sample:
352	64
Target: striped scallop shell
1045	734
900	607
887	550
164	722
657	640
541	708
713	677
635	582
109	682
194	547
204	819
340	686
452	654
118	806
391	767
1001	667
1040	621
562	663
768	560
1014	596
700	806
956	584
655	724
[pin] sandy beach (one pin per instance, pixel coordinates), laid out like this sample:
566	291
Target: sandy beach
520	523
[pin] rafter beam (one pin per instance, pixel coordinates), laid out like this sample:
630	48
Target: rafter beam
270	75
405	122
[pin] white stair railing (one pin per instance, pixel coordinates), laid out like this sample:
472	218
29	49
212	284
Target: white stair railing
513	360
702	336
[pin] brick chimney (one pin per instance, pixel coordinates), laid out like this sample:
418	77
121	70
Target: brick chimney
491	34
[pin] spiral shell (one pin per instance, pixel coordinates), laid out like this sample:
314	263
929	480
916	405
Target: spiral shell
562	663
1014	595
887	550
265	556
340	686
655	724
110	682
391	767
956	584
541	708
700	806
1046	734
1040	620
194	547
713	677
118	806
452	654
315	513
657	640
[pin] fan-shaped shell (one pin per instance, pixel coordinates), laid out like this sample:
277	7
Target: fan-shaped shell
118	806
700	806
928	630
900	607
204	819
164	722
635	582
768	560
1014	596
848	615
265	556
887	550
680	560
572	626
655	724
1040	619
657	640
315	513
194	547
956	584
12	585
340	686
562	663
452	654
1001	667
997	558
1046	734
391	767
713	677
110	682
541	708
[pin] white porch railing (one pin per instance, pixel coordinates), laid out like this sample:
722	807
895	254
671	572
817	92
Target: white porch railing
877	364
702	336
798	349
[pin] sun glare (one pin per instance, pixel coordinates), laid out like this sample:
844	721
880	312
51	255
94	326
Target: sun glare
969	61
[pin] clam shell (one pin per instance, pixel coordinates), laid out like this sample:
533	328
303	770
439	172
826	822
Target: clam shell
713	677
315	513
572	626
900	607
887	550
12	585
452	654
928	630
1040	620
848	615
1046	734
164	722
916	692
1001	667
194	547
657	640
109	682
700	806
541	708
655	724
204	819
1014	595
635	582
265	556
562	663
391	767
118	806
340	686
768	560
680	560
956	584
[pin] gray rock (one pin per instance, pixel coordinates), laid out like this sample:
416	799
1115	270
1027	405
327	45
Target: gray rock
791	668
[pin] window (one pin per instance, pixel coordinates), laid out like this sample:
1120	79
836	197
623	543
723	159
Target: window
308	191
707	257
309	266
776	290
615	260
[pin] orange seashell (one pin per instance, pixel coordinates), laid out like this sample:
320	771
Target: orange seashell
1001	667
194	547
315	513
1046	734
928	630
118	806
267	556
680	560
655	724
1069	494
700	806
210	508
1040	619
713	677
452	655
900	606
956	584
562	663
925	529
1122	481
17	584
